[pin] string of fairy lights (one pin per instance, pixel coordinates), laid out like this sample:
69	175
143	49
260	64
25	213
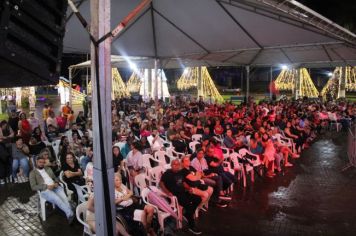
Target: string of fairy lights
189	79
77	96
119	88
332	85
286	81
134	83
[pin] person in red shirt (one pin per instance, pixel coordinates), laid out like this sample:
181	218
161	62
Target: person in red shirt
218	129
62	122
24	128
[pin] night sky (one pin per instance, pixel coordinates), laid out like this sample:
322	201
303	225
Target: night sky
342	12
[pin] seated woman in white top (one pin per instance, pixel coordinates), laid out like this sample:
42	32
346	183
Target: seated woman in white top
127	207
90	218
134	160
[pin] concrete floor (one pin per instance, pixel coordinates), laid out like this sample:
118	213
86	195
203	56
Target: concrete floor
312	198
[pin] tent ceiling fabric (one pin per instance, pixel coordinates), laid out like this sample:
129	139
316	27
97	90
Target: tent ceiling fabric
145	62
235	32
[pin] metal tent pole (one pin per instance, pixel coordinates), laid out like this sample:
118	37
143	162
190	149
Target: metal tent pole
70	87
297	83
200	87
161	77
149	85
87	78
101	111
270	83
342	83
247	82
155	88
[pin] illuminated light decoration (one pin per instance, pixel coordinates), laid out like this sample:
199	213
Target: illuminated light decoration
286	82
308	88
284	67
64	93
19	93
147	91
189	79
350	74
119	88
134	83
7	92
332	86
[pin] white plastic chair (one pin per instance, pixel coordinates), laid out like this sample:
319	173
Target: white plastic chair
226	152
333	122
238	167
81	214
178	155
155	174
140	181
162	215
197	137
167	144
67	190
160	156
42	206
285	141
192	145
82	192
256	163
55	145
147	158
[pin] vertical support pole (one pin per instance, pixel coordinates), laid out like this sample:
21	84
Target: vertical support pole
0	107
155	88
161	77
200	82
270	83
297	83
101	111
70	87
342	83
18	97
145	76
242	79
87	79
149	85
247	82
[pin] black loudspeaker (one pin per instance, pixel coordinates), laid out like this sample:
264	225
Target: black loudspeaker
31	41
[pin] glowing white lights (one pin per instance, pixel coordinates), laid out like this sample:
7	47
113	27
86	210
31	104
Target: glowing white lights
284	67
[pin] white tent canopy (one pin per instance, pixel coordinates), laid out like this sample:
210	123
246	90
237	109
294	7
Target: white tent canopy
145	63
236	32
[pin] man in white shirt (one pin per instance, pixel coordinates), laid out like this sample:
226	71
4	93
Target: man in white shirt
42	179
155	141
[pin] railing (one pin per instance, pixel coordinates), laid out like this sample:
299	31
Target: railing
351	147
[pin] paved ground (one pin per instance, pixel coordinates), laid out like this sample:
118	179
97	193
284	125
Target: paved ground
312	198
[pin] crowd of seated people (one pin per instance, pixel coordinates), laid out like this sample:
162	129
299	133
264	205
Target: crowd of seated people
199	142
